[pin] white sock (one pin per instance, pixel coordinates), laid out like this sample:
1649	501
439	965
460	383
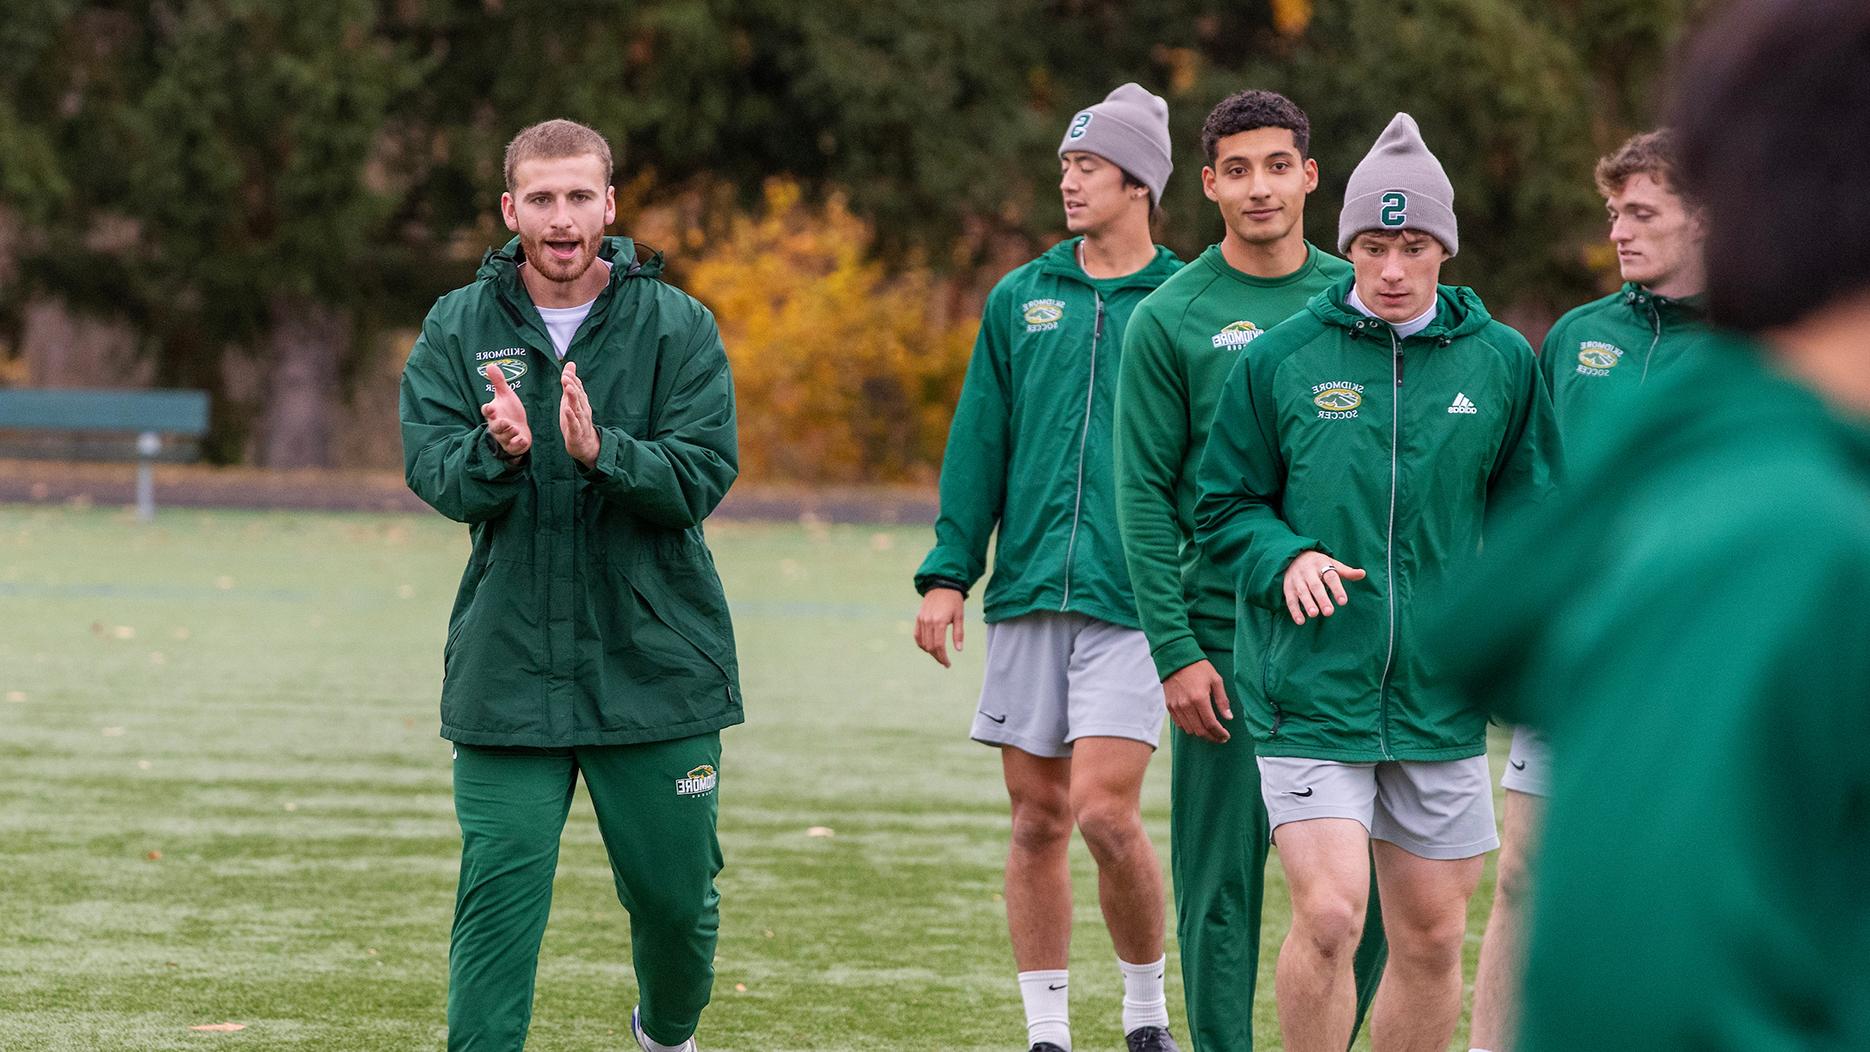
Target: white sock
1048	1007
1143	1001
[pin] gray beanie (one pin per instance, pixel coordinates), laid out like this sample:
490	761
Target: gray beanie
1399	185
1130	129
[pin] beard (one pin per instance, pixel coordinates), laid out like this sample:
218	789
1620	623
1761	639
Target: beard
547	264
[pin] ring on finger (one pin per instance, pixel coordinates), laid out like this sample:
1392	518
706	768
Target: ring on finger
1326	570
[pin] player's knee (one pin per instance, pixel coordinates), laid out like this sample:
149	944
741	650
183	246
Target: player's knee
1040	825
1330	923
1426	943
1513	878
1110	825
674	906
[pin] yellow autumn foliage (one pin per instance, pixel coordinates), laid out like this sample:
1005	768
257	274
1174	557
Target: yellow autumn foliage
844	370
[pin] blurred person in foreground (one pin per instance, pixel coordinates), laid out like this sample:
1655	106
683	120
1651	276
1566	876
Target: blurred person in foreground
577	413
1592	358
1690	621
1181	343
1070	697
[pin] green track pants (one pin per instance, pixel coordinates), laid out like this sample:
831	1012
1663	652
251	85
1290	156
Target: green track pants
656	807
1218	843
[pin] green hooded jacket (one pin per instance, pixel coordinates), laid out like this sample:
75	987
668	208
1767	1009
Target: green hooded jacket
590	612
1030	447
1615	344
1386	454
1687	621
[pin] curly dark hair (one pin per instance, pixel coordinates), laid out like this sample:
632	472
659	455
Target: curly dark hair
1250	109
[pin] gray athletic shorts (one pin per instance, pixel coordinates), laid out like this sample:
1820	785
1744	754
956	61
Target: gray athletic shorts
1053	678
1528	764
1441	810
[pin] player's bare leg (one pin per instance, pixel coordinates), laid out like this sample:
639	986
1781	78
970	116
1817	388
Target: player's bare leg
1327	865
1038	875
1425	916
1106	803
1502	951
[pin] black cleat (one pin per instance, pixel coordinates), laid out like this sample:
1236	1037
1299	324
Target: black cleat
1151	1039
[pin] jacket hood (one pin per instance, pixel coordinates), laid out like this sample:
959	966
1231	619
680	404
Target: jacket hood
1062	260
502	264
1458	311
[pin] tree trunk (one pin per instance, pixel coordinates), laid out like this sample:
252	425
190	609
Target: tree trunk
304	384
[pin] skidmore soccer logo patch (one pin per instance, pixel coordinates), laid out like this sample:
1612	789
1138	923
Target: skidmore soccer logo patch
1597	358
1042	315
1337	399
698	782
1237	334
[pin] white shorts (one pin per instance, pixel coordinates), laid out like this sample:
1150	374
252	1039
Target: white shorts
1528	764
1053	678
1439	810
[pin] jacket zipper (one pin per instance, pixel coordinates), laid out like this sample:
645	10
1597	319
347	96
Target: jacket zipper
1389	554
1084	438
1655	320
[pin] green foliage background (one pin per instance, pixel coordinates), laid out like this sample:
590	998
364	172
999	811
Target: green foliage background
209	169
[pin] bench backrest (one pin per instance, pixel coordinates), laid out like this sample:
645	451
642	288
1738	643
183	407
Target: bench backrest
165	412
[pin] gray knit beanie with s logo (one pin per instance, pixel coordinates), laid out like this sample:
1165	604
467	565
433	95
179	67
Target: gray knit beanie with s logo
1399	185
1130	129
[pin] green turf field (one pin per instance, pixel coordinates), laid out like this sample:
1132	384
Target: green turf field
222	799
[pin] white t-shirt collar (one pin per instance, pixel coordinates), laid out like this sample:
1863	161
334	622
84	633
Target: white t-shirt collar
1405	329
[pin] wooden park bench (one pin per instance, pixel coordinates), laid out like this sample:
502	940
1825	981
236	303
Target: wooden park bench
144	426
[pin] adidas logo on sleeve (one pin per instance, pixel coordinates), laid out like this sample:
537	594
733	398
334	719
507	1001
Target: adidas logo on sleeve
1462	405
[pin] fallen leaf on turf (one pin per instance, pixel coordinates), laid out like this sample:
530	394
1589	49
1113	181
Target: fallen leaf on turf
97	629
405	591
143	765
154	856
820	831
157	657
224	583
769	933
290	806
740	988
123	632
881	542
181	633
113	732
16	696
221	1028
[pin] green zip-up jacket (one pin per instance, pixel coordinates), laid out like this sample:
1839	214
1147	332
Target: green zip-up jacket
590	612
1386	454
1688	621
1616	344
1030	447
1181	342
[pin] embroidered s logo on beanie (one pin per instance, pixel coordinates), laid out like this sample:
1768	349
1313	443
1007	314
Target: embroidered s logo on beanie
1079	126
1395	209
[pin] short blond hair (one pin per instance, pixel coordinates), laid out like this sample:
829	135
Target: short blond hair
554	139
1650	153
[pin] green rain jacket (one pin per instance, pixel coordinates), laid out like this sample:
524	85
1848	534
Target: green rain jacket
1386	454
1030	446
1687	621
590	612
1616	344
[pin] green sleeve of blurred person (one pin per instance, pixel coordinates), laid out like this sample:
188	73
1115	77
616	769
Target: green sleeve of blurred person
1152	440
449	459
974	465
677	476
